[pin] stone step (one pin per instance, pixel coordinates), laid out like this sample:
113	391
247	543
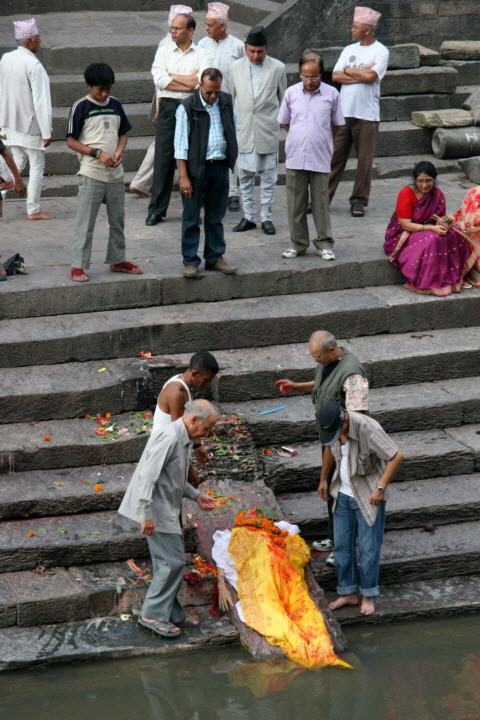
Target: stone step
47	392
250	12
105	638
419	599
72	539
402	408
410	555
428	453
410	505
468	70
251	322
62	594
420	80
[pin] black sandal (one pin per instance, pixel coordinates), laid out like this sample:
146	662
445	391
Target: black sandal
357	210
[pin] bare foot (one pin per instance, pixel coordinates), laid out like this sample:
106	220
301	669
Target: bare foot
344	600
367	606
139	192
40	216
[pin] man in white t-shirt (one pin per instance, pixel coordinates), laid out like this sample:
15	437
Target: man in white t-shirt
359	70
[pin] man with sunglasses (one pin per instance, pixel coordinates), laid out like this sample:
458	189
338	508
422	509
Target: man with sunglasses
205	148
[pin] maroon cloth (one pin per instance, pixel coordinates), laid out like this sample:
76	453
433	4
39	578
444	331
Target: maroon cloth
431	263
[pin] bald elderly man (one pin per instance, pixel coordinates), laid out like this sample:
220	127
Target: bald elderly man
154	500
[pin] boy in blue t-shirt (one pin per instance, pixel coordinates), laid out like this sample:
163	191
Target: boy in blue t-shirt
97	131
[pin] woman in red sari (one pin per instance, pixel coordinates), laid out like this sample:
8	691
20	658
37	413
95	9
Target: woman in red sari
433	257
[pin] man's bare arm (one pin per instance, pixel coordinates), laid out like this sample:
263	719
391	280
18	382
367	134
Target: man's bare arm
182	83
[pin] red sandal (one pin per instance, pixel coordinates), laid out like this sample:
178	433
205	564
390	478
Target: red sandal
126	267
78	275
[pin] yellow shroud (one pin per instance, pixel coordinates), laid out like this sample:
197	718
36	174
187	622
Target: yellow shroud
275	599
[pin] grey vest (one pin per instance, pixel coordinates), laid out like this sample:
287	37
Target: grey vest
331	389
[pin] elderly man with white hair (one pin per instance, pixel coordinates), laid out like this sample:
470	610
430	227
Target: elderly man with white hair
224	48
26	110
360	68
154	500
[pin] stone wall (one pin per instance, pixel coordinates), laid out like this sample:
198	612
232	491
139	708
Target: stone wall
298	24
32	7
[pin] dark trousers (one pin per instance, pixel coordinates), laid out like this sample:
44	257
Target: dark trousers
329	501
164	161
363	134
213	191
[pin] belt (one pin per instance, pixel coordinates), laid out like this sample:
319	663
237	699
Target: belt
211	162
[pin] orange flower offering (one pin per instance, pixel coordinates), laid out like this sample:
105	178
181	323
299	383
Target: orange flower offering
30	534
98	487
145	355
47	437
257	519
108	416
204	568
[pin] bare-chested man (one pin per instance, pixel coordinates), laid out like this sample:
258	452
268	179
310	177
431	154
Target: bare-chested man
177	392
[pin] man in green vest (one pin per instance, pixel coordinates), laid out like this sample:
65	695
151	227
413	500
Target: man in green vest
339	377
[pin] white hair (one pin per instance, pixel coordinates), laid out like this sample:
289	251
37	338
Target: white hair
197	407
324	338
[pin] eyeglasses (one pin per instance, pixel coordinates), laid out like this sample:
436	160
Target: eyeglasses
211	92
313	78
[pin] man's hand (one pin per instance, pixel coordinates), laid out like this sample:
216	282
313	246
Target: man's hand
106	159
323	490
20	188
286	386
202	456
148	527
186	186
376	497
117	158
47	142
155	119
204	502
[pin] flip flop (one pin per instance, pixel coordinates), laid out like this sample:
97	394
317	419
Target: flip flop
161	628
357	210
126	267
77	275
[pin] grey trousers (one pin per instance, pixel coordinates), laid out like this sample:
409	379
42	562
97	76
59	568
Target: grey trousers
168	559
297	200
268	180
144	177
91	194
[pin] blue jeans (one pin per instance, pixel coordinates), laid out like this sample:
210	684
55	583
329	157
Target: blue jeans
349	524
213	189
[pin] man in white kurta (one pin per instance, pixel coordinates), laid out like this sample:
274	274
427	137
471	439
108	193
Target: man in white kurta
258	83
224	48
26	110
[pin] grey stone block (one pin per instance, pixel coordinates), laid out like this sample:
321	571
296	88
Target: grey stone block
8	608
442	118
456	142
251	12
402	138
420	80
469	436
473	99
471	168
468	71
460	50
42	598
427	56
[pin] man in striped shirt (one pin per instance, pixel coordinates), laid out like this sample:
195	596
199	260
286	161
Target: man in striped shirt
366	461
205	148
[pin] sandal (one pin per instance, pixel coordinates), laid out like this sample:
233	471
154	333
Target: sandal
190	621
357	210
164	629
126	267
77	275
466	284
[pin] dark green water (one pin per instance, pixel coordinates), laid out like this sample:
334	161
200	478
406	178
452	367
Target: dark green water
426	670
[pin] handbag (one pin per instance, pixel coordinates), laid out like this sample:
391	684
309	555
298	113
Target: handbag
7	181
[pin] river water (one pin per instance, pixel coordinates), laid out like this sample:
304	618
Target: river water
427	670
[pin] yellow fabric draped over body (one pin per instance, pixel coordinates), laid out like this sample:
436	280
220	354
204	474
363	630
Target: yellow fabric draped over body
274	596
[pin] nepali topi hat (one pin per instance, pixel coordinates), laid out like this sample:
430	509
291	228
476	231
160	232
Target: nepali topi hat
366	16
218	10
25	29
178	10
257	37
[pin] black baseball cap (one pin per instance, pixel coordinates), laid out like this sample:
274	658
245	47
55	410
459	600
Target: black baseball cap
330	419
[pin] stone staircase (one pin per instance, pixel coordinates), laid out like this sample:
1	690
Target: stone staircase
420	361
128	39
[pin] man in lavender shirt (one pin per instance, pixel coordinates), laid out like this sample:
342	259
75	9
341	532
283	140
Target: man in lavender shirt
311	114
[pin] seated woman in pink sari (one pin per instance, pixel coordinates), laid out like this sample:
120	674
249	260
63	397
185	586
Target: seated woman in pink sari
433	257
468	219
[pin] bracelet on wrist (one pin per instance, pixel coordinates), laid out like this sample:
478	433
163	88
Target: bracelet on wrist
95	152
196	445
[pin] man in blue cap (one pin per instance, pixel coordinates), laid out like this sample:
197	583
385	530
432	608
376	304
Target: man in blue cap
366	460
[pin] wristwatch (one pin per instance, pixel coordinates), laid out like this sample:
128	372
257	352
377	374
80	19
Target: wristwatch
380	489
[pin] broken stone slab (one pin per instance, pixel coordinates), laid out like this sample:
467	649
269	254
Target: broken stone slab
103	638
246	495
442	118
428	57
460	50
47	597
468	70
456	142
473	100
471	168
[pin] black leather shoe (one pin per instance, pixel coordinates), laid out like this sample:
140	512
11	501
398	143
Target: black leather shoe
153	219
243	225
268	228
234	203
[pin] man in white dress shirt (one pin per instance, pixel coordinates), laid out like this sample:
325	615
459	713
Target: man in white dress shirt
176	73
258	84
224	49
26	110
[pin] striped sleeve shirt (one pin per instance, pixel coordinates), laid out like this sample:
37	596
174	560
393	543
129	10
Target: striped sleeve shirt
217	144
369	449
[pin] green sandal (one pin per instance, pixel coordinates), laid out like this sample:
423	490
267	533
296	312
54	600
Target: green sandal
161	628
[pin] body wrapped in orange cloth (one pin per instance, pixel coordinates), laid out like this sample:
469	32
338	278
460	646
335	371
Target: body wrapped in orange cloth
272	591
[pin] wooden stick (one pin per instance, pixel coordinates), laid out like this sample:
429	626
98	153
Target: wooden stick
473	242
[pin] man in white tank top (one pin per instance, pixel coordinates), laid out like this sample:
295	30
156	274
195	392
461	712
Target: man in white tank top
175	394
